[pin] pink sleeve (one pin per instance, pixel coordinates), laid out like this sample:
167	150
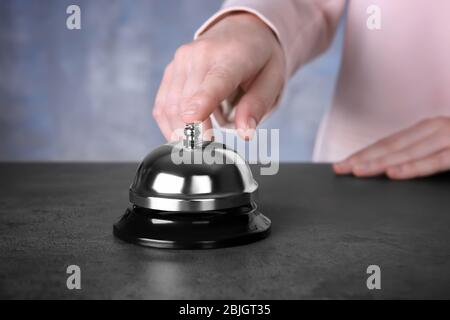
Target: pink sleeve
305	28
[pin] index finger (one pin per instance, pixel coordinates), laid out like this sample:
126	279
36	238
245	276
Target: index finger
219	82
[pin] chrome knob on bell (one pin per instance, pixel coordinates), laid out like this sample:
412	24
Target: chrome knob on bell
190	204
192	136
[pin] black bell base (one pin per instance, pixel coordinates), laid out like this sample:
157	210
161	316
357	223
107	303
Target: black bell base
187	230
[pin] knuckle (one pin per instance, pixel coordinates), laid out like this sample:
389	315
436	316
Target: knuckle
201	47
182	52
157	113
169	67
219	71
168	70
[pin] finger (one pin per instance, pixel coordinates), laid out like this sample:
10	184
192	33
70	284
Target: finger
258	100
174	94
435	163
219	82
431	144
159	106
387	145
195	75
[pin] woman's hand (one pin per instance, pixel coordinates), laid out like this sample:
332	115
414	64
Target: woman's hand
421	150
237	51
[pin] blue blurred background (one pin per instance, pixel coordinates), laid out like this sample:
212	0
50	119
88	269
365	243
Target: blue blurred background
86	95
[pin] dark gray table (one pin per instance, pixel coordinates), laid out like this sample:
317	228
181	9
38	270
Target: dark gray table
326	231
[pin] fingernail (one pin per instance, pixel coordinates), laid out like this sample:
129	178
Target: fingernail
251	127
191	109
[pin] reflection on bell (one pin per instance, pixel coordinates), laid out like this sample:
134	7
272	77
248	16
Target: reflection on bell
192	195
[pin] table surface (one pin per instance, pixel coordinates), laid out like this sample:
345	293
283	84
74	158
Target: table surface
326	231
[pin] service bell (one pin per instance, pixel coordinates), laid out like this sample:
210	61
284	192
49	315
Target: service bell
192	194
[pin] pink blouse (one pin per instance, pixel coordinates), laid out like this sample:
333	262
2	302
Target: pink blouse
390	78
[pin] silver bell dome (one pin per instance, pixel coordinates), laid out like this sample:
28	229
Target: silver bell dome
192	195
162	183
